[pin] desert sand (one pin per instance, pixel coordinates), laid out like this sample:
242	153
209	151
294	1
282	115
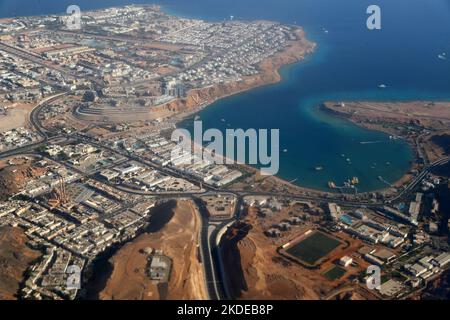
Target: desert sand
178	240
15	117
15	258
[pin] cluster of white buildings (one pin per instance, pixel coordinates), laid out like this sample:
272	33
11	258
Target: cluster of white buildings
359	224
137	176
83	156
428	266
16	138
55	174
50	278
73	234
26	81
16	73
164	152
235	49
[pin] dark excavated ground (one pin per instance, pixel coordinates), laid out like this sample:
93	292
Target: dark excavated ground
442	141
15	258
14	177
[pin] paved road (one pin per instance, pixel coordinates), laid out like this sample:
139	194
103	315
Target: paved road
34	114
39	60
209	230
419	178
33	57
210	253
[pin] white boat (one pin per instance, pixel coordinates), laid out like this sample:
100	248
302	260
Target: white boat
442	56
382	86
285	150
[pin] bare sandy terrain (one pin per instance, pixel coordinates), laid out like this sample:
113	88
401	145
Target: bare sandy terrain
15	117
15	175
257	271
427	113
178	240
396	118
15	257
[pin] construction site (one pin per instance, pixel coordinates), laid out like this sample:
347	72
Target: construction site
58	196
312	248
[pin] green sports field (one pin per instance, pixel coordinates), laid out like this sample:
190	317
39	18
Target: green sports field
314	247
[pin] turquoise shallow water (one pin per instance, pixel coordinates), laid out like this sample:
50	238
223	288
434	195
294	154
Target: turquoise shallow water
311	137
349	64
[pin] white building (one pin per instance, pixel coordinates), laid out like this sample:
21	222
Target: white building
345	261
442	260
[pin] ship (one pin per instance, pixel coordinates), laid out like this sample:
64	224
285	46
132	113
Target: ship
355	180
318	168
331	185
442	56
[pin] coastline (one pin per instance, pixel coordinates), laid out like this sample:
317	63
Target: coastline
199	99
296	52
390	117
407	177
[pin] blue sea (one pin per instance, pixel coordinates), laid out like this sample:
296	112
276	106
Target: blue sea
349	64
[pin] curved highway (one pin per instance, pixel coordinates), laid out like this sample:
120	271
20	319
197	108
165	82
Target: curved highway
209	252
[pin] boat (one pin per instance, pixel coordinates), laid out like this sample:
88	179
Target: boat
442	56
331	185
223	120
285	150
382	86
355	180
318	168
